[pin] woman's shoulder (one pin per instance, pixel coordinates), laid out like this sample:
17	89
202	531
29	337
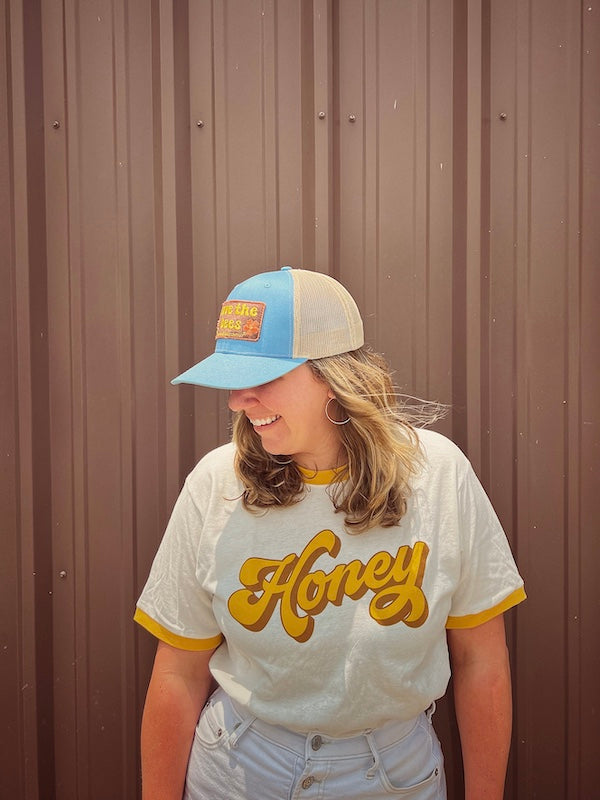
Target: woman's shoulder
215	467
439	450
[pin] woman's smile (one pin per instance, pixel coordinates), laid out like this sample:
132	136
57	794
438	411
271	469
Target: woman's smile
289	416
261	423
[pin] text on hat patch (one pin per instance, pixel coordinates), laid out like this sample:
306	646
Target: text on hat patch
240	319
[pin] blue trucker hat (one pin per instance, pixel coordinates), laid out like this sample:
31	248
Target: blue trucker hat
272	323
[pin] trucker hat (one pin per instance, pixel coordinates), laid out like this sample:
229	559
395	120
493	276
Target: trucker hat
272	323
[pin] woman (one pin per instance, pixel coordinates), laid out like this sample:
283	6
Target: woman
318	569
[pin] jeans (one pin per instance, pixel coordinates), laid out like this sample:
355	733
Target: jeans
235	756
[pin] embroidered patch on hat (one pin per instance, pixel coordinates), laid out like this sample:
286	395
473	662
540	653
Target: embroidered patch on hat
240	319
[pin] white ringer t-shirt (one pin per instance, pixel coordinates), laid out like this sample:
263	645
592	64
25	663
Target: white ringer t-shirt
316	628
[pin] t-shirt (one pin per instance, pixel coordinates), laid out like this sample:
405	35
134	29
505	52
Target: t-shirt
319	629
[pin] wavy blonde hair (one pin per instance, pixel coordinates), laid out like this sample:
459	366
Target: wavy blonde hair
380	444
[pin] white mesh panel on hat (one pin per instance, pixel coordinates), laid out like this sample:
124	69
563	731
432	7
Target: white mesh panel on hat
326	318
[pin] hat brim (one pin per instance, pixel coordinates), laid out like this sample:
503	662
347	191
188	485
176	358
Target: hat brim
234	371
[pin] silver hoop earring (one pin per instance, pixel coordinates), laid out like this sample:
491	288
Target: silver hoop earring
334	421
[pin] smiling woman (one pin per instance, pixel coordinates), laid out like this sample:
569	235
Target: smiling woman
289	416
323	568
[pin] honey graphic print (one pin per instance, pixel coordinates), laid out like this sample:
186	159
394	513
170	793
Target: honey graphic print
302	590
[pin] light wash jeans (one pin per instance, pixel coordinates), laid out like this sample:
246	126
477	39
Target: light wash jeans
238	757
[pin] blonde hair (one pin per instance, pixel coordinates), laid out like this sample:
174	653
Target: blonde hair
380	444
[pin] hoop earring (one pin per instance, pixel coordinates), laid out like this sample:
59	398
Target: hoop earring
334	421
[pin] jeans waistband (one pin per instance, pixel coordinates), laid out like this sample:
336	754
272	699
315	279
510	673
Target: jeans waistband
316	744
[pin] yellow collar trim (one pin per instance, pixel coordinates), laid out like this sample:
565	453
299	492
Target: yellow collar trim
321	477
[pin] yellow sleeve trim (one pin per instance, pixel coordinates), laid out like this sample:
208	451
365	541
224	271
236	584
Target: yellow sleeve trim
472	620
165	635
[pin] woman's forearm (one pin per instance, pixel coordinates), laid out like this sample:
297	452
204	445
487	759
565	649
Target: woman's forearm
173	704
482	694
484	714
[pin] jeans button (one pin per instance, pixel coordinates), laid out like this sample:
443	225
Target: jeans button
308	782
316	742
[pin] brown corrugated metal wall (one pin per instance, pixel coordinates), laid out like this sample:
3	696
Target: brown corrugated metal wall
442	158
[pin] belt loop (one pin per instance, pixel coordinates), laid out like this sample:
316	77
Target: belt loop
239	729
370	773
429	712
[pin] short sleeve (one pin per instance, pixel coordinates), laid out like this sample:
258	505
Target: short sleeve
489	581
174	605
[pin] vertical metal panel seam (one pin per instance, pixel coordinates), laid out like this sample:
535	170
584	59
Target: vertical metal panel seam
376	157
572	399
66	669
462	114
183	239
485	256
525	709
222	170
473	366
363	126
25	490
421	191
324	218
427	253
126	322
38	298
213	111
203	203
15	659
308	134
78	344
270	134
227	160
277	153
589	409
38	343
516	261
222	165
168	232
370	121
158	246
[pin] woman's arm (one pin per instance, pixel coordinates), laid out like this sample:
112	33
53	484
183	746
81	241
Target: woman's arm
179	687
482	693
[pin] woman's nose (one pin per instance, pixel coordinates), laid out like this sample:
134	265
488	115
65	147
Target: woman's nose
239	399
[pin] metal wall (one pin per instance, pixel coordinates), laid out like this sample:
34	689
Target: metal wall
442	158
